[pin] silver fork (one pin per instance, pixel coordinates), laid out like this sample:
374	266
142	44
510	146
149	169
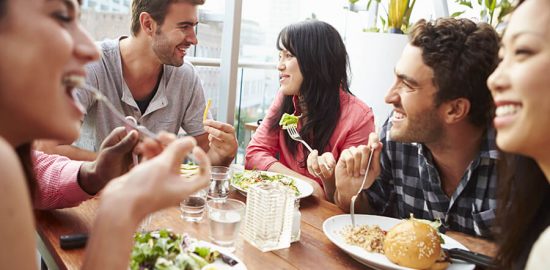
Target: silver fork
116	113
293	132
129	121
352	205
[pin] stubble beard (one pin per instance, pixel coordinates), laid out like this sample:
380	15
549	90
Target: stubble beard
424	128
165	51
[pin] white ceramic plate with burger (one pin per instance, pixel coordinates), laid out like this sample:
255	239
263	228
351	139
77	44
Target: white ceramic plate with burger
335	227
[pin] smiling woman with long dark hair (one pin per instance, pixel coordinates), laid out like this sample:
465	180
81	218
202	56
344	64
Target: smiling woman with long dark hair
313	70
42	62
521	91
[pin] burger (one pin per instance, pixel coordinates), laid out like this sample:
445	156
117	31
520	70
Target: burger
416	244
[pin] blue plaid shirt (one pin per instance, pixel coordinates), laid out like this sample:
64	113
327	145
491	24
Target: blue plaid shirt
409	183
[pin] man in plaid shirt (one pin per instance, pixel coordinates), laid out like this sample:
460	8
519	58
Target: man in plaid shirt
435	156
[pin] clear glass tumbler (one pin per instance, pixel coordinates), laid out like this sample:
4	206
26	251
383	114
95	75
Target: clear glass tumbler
192	207
219	183
224	221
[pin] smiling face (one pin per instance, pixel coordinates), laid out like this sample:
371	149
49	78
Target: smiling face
521	83
290	76
177	33
415	116
41	57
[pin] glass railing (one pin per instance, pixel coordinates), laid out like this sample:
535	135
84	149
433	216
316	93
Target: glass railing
257	85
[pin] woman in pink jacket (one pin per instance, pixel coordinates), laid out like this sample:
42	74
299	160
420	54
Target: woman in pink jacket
313	71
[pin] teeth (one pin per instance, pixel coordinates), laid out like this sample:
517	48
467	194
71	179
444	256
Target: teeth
73	80
77	101
507	110
398	116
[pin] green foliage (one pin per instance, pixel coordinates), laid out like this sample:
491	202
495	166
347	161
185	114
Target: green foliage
493	10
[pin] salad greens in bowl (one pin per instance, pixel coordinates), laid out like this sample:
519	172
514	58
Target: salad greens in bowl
243	180
166	250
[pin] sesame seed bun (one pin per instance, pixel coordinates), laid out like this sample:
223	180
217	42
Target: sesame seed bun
413	244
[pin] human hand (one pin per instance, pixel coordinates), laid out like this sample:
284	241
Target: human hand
151	147
114	159
352	165
222	140
321	166
156	183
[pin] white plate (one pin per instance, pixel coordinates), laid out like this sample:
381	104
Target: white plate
239	266
303	187
334	225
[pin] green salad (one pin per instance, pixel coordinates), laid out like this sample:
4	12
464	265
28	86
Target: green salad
288	120
165	250
245	179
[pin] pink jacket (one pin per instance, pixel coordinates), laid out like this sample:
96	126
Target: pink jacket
57	185
354	126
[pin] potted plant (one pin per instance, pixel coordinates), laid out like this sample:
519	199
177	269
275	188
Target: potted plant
492	11
398	13
374	52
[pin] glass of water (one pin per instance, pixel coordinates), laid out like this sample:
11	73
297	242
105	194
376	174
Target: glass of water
192	207
219	183
224	221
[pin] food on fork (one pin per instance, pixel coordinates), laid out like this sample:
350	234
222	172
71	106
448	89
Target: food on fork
415	244
288	120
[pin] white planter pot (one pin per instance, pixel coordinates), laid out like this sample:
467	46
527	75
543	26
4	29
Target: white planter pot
372	59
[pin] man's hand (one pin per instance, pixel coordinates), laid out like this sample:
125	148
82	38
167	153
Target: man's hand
351	169
114	159
222	142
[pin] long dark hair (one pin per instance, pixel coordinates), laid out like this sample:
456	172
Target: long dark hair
323	61
523	209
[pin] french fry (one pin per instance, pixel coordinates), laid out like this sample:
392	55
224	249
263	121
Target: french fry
208	103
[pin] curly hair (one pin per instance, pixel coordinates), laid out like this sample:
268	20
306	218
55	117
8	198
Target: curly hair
462	55
156	8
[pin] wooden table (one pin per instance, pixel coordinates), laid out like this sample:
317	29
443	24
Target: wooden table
314	250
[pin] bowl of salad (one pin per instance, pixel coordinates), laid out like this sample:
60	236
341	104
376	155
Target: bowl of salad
242	181
166	250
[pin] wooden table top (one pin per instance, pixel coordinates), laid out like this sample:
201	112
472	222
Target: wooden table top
314	249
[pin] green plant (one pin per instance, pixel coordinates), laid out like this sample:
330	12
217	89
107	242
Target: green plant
492	10
398	13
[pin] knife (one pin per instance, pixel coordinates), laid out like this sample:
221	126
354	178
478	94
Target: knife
471	257
226	259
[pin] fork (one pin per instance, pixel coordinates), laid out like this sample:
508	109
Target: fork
293	132
352	205
129	121
295	135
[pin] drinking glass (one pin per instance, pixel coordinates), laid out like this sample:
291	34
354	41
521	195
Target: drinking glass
219	183
224	221
192	207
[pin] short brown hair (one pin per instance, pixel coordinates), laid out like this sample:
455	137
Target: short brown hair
462	55
156	8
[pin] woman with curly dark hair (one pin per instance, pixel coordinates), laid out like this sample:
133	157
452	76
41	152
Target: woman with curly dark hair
313	71
521	90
